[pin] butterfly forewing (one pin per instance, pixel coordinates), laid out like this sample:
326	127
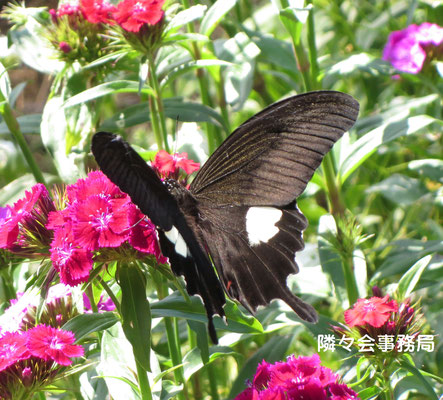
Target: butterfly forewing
270	158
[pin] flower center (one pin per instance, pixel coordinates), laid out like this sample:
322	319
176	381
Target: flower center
101	221
55	343
368	306
139	7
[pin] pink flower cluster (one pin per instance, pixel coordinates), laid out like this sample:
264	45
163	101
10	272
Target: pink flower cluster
131	15
94	216
408	49
30	357
23	224
296	379
97	216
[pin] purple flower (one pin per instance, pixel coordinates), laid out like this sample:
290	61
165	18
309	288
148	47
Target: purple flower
408	49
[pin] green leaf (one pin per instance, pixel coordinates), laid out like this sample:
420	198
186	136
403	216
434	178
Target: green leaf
54	128
106	89
403	254
400	189
5	83
426	386
85	324
409	280
241	52
117	365
176	306
215	14
175	109
170	390
193	361
431	168
184	17
136	312
371	393
364	147
33	48
191	66
29	123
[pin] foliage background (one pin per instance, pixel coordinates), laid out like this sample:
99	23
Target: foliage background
388	169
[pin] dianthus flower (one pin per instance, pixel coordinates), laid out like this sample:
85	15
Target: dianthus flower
97	216
408	49
296	379
374	311
131	15
52	344
98	11
23	224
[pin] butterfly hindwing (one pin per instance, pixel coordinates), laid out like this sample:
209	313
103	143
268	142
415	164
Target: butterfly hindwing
253	249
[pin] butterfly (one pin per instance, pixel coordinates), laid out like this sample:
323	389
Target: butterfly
240	212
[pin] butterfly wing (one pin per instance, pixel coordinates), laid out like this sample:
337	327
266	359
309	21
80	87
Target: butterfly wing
126	169
270	158
246	194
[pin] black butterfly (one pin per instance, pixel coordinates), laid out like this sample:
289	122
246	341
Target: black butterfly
240	211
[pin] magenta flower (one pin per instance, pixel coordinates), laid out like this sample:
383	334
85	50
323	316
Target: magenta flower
53	344
23	224
101	222
12	349
408	49
296	379
71	261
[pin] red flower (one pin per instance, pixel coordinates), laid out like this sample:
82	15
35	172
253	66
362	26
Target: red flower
53	344
98	11
131	15
72	262
100	222
374	311
168	164
12	349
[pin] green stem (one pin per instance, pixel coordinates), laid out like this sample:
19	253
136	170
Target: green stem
159	102
212	375
313	56
14	128
335	202
110	293
173	343
143	382
213	134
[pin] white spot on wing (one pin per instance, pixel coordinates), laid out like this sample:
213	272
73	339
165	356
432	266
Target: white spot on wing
179	243
260	224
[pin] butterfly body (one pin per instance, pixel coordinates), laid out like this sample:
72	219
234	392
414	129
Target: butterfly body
240	212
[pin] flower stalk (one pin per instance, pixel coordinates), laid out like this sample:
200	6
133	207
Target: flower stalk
14	128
